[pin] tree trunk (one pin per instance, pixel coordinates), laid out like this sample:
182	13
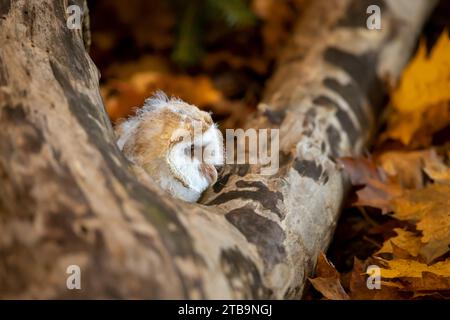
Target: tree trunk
68	198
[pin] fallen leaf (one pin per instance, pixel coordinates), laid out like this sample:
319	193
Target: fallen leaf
361	170
426	81
330	288
427	282
325	268
420	105
405	166
406	240
429	209
436	169
378	194
358	282
405	268
377	190
328	281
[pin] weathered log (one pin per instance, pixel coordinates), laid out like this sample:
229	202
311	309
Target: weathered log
68	198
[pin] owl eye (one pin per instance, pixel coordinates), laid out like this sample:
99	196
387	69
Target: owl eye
189	151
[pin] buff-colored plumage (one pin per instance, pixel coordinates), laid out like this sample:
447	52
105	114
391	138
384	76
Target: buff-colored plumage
175	143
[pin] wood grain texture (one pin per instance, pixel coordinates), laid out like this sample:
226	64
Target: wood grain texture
67	195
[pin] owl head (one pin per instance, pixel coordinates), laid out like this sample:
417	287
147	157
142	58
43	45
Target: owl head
175	143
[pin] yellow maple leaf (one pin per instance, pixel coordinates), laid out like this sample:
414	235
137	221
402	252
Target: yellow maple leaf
405	240
429	209
403	268
426	81
421	102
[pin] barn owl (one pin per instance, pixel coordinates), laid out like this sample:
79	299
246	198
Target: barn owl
175	143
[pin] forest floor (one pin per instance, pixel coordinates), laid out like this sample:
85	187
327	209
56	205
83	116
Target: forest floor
397	217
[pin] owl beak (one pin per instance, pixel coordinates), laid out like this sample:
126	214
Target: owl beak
210	172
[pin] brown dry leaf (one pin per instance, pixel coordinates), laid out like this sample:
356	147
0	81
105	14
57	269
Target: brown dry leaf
429	296
420	105
378	191
427	282
361	170
330	288
358	282
328	281
325	268
358	285
429	208
378	194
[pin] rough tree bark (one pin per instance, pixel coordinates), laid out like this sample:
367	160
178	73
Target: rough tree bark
67	197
